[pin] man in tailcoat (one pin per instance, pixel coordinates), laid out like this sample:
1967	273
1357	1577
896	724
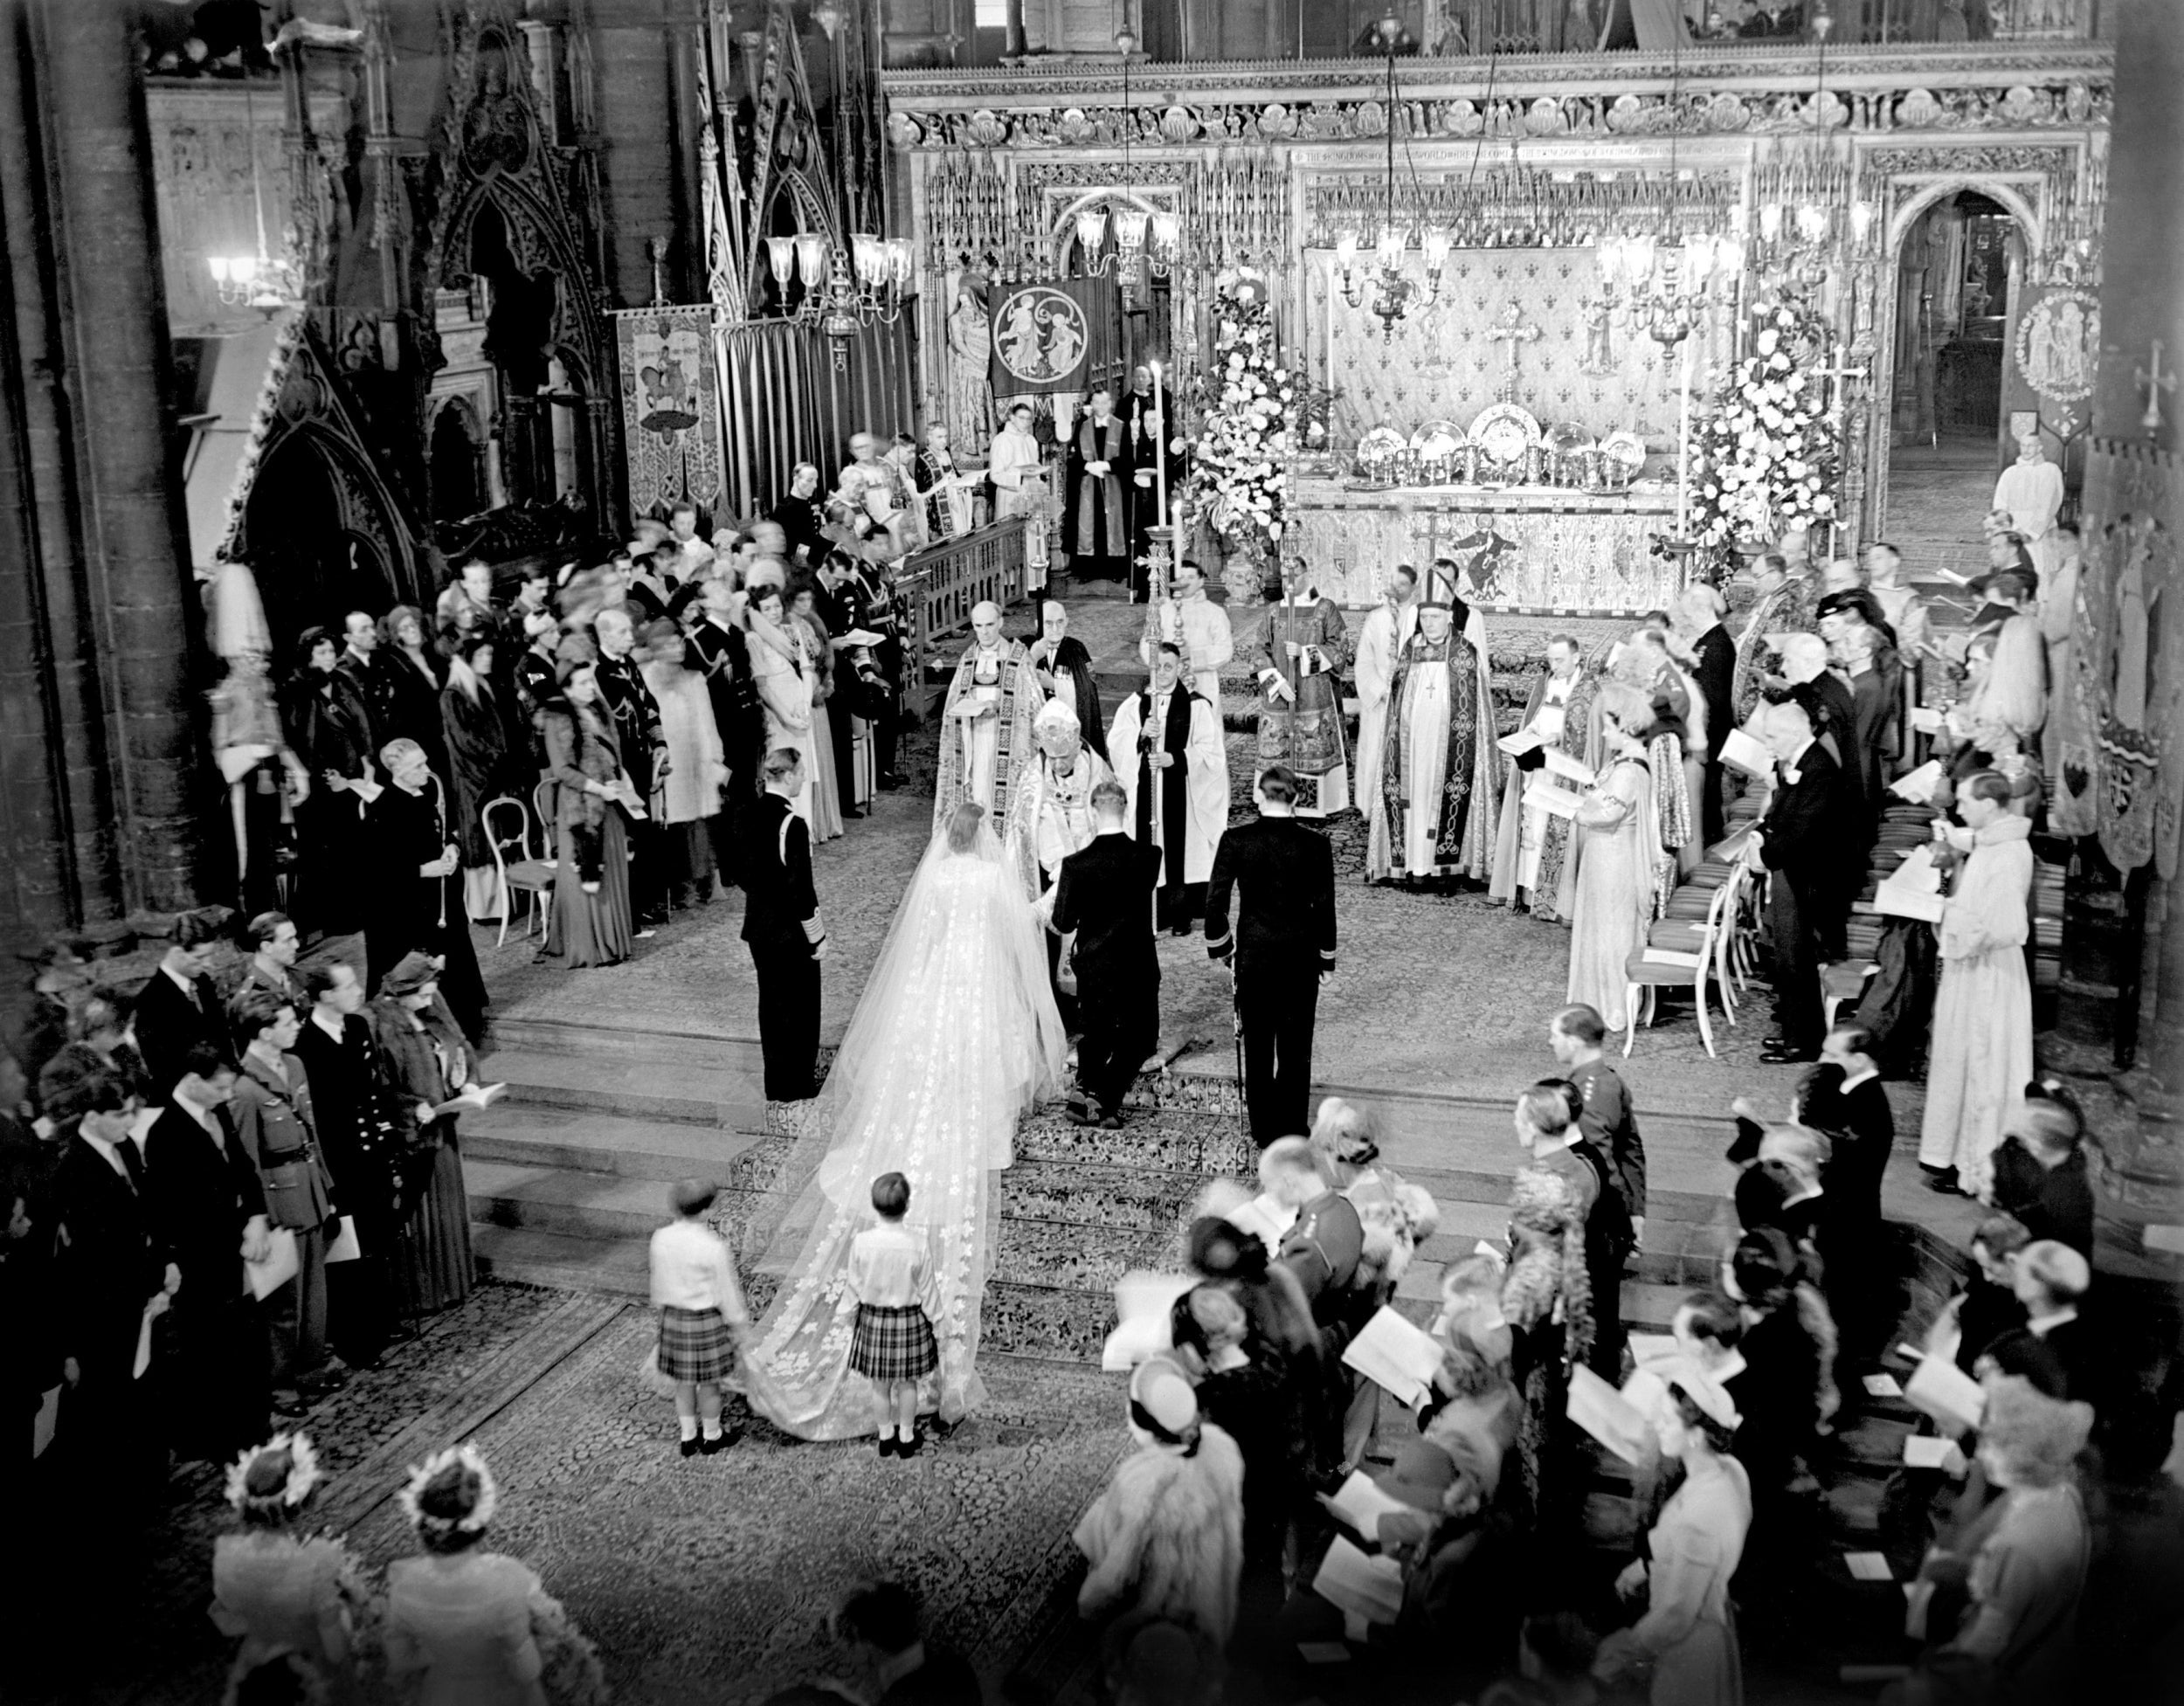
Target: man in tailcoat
783	928
1810	833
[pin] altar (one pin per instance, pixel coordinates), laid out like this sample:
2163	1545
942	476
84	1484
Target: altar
1528	549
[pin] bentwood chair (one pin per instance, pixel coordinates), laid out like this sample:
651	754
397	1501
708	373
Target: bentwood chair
524	874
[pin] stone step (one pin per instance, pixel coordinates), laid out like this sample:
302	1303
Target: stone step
729	1098
593	1142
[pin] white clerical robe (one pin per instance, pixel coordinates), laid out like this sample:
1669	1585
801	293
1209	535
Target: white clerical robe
2032	492
1200	627
1421	724
1387	628
981	735
1205	763
1548	724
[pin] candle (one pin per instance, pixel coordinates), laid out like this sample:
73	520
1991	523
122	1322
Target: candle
1160	439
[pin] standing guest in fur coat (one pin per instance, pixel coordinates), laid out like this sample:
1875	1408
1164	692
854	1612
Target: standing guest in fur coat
1166	1538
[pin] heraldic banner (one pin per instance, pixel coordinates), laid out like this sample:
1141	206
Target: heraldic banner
1043	334
671	409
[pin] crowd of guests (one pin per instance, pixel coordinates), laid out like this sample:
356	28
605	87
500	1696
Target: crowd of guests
608	719
1241	1524
1864	738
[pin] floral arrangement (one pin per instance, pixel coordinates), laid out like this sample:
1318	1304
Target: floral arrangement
1764	453
1239	479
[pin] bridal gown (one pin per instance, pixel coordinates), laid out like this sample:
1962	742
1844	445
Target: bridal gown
956	1037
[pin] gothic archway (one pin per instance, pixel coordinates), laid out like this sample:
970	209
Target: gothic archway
507	216
1916	182
318	542
458	450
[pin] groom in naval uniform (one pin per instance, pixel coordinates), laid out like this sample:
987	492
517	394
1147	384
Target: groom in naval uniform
1105	896
782	924
1282	949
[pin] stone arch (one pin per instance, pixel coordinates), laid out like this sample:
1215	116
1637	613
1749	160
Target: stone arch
455	442
2022	195
321	535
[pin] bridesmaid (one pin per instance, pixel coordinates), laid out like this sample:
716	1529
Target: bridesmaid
1616	860
1688	1634
477	1627
423	1061
281	1593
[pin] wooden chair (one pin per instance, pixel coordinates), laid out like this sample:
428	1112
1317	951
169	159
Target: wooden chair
526	874
1658	967
1843	981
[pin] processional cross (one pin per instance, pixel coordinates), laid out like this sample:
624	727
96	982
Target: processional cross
1512	330
1838	376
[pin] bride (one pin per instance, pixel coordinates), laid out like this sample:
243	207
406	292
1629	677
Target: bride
957	1036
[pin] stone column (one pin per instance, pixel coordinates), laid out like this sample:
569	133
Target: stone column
144	613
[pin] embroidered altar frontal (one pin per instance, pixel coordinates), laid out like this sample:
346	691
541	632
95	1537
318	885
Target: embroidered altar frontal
1546	550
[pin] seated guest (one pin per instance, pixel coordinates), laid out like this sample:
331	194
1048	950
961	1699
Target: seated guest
1786	1391
1686	1641
208	1200
879	1623
178	1006
1549	1130
2029	1552
2058	1347
1248	1397
2040	1173
1166	1534
1987	1307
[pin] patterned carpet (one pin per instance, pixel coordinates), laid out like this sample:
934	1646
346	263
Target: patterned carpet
702	1580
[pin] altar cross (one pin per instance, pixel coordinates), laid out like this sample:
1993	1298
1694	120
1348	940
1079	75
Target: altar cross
2153	383
1513	331
1838	374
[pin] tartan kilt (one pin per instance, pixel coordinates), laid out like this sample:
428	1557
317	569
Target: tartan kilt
695	1344
893	1344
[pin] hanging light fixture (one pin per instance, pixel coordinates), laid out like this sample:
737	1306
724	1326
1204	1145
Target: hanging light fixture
1389	291
267	282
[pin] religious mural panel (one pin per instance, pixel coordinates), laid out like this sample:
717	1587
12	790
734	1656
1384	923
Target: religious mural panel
1533	326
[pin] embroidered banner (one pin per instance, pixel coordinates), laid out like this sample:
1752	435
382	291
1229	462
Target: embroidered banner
1042	334
670	414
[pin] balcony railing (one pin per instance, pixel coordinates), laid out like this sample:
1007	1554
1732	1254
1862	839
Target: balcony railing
1236	31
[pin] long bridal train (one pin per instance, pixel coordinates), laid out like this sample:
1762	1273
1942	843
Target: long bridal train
956	1038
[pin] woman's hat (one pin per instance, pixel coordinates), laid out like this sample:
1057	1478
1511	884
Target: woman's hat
662	632
411	972
1708	1393
1160	1391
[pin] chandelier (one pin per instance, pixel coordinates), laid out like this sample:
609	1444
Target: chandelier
1388	290
264	281
1143	237
842	292
1664	290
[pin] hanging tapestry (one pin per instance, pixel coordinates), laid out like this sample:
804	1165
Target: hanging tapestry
671	417
1042	334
